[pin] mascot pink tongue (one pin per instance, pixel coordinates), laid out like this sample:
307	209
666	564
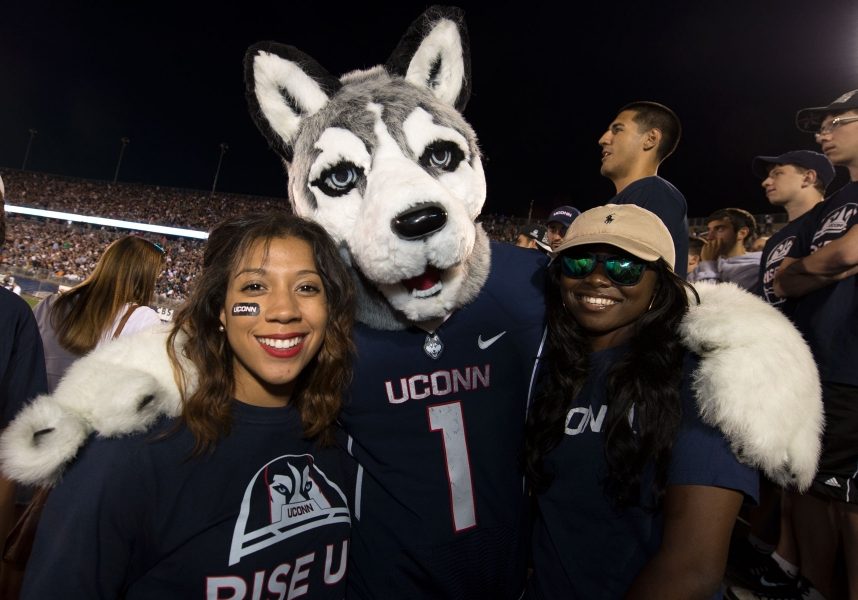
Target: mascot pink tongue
423	281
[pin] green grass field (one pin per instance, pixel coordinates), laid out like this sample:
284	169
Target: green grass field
31	300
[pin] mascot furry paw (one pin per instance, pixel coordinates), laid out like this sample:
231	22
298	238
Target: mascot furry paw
757	382
450	325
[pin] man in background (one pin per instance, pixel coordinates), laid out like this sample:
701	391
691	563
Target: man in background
638	140
724	256
820	272
695	245
533	236
795	181
558	222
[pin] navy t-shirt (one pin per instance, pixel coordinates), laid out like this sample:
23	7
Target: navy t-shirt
661	197
22	358
265	515
776	249
828	317
582	547
440	508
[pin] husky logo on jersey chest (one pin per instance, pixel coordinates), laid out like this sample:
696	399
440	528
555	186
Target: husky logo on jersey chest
286	497
384	160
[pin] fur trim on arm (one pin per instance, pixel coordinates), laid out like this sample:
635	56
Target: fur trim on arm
119	388
757	382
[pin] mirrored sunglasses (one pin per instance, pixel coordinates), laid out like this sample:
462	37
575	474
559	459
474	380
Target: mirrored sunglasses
622	270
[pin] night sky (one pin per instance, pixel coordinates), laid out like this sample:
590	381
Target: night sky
547	80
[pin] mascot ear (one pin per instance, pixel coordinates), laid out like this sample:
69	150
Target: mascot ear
284	86
435	54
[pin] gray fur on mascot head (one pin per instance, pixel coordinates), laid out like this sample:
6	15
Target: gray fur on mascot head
384	159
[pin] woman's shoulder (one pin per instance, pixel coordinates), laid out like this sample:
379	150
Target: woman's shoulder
45	305
106	459
140	318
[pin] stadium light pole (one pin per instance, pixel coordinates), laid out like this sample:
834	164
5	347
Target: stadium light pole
33	133
124	141
223	148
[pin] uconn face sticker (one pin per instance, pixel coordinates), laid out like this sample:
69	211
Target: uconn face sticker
250	309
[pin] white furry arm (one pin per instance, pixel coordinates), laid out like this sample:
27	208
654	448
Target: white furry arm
757	382
119	388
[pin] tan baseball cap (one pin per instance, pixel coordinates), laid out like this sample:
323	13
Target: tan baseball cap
627	226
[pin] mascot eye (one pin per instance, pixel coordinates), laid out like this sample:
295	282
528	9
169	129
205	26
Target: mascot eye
339	179
442	155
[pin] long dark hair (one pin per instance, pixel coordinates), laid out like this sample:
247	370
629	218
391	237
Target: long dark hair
647	380
207	411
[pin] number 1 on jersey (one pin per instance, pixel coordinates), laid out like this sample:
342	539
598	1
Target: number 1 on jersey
448	419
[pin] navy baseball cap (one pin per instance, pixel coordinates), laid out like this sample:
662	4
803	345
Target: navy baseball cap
537	233
809	119
564	215
800	158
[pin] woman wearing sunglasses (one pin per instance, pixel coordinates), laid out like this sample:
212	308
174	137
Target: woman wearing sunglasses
636	496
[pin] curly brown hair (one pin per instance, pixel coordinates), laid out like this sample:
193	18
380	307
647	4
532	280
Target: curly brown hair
207	409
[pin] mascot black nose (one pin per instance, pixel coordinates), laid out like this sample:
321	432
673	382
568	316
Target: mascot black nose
419	222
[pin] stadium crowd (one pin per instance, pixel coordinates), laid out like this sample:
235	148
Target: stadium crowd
67	251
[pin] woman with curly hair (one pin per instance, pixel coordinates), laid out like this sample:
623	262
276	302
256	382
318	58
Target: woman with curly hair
636	497
243	495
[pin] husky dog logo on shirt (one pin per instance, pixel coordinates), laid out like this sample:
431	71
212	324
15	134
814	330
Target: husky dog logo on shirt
286	497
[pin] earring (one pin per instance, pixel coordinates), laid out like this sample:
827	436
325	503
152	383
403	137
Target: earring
220	328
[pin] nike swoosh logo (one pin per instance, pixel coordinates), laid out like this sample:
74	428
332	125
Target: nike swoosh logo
485	344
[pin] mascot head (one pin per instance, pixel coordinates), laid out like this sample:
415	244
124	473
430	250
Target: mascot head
384	160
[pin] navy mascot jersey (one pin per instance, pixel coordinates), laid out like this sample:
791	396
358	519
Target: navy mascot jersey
264	516
440	510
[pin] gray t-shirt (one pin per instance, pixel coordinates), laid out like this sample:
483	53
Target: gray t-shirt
58	359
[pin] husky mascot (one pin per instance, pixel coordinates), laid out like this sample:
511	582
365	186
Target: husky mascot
450	328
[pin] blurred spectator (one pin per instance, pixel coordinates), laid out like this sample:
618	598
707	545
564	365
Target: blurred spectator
112	301
535	236
558	222
695	245
9	284
759	243
725	257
